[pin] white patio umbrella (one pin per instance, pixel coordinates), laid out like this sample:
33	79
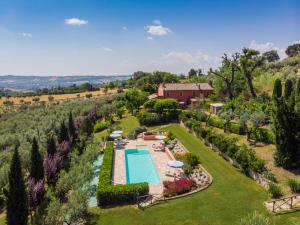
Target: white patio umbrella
117	132
175	164
115	135
160	137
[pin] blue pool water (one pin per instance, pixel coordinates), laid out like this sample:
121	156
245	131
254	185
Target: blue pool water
140	167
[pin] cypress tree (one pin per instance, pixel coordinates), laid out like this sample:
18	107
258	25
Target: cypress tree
17	200
289	97
288	88
277	91
36	169
63	133
71	126
297	98
51	146
87	127
283	121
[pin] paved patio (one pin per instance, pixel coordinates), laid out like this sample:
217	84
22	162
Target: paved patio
160	160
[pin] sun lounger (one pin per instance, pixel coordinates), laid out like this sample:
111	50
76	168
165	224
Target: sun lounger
170	174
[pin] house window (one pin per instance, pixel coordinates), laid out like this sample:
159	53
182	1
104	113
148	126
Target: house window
167	94
180	93
194	94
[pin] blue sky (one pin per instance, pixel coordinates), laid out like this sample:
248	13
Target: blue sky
81	37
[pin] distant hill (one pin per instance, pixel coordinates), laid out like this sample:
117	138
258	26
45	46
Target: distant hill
14	82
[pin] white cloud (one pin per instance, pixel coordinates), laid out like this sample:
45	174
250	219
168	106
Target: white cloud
107	49
76	22
26	35
124	28
268	46
181	62
157	29
149	38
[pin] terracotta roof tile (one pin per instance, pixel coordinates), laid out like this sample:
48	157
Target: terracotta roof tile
187	86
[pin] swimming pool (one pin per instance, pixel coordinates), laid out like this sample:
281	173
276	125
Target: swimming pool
140	166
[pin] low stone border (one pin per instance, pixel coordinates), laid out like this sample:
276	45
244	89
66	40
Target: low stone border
185	194
196	190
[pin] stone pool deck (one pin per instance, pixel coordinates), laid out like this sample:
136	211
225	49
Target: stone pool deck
160	159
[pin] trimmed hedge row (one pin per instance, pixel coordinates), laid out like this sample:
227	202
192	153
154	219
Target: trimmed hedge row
109	194
243	155
261	134
151	119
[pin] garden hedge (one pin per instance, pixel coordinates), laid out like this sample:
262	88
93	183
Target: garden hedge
109	194
261	134
243	155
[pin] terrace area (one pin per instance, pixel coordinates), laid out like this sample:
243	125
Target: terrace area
160	160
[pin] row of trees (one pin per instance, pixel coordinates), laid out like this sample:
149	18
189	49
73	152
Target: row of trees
242	67
49	184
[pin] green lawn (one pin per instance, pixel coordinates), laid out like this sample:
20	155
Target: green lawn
127	124
231	196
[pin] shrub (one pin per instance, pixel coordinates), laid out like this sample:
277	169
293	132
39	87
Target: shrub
294	185
275	190
178	186
255	219
216	122
135	132
235	128
192	160
148	119
100	126
108	194
264	135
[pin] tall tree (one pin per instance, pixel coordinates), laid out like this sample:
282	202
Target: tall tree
71	126
87	127
271	56
51	146
227	72
250	59
293	50
63	133
297	97
36	167
134	99
284	126
17	201
192	73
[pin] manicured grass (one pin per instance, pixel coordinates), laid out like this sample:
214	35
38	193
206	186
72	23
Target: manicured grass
231	196
128	123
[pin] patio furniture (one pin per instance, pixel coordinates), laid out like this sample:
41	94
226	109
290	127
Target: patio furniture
117	132
160	137
170	174
115	136
175	164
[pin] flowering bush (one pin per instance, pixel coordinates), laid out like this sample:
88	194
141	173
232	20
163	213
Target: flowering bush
178	186
65	147
36	191
52	165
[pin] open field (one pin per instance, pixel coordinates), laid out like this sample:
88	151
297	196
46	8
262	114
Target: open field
231	196
56	98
